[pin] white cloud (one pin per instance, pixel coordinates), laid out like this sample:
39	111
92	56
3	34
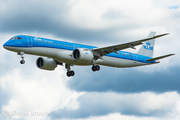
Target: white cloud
46	92
118	116
89	14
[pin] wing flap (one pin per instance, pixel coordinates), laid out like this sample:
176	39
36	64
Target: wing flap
161	57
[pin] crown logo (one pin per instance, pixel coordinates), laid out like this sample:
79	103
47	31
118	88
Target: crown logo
148	43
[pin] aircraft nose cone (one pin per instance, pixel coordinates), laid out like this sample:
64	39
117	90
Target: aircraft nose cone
7	44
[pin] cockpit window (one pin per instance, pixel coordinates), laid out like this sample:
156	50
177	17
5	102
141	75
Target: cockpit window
19	38
13	38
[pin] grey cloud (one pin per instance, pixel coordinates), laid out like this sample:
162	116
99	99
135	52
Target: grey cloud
99	104
51	18
126	80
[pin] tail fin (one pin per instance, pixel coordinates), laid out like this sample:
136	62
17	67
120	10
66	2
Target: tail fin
148	47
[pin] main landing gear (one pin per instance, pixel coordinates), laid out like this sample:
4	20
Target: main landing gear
69	71
21	53
95	68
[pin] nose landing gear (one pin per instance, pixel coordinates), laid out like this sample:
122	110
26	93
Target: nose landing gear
21	53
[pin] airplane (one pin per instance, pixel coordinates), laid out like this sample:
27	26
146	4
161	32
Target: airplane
68	53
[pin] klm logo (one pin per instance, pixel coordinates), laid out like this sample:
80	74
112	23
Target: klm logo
147	46
86	53
148	43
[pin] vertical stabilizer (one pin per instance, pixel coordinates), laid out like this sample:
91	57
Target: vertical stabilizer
148	47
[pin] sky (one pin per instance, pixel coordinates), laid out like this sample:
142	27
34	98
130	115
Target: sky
140	93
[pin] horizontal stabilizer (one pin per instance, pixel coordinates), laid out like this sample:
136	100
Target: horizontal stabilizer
161	57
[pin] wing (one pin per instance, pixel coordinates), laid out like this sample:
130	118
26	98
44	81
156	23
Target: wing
99	52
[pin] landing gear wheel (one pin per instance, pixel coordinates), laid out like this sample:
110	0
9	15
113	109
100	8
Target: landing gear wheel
72	73
68	74
95	68
22	61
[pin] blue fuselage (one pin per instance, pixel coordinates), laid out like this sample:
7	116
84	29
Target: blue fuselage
61	51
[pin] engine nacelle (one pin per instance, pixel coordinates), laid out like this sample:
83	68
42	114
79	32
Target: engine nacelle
46	63
82	55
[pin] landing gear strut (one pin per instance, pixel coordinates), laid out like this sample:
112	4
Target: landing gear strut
69	71
22	61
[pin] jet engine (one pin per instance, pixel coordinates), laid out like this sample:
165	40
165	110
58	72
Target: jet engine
46	63
82	55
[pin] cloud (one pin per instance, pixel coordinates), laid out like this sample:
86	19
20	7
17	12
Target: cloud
174	7
35	91
127	80
143	104
72	19
149	92
117	116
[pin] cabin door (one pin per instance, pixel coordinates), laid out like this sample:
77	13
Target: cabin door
29	41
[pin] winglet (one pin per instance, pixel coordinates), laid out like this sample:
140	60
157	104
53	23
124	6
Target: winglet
161	57
161	35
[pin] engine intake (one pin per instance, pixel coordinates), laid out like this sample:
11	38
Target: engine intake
46	63
82	55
